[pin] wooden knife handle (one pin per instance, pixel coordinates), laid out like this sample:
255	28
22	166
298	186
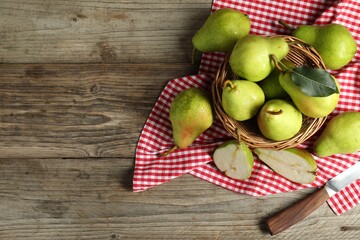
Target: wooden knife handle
297	212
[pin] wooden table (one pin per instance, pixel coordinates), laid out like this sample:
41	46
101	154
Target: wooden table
78	80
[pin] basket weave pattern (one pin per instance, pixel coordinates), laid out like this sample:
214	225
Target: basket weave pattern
300	54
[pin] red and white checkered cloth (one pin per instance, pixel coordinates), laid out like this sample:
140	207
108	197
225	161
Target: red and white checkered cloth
156	137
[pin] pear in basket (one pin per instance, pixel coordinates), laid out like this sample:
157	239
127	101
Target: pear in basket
279	119
242	99
271	85
191	113
221	31
311	106
250	58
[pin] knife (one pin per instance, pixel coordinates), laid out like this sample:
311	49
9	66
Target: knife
297	212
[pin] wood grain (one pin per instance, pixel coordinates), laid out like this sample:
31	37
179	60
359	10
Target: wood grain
297	212
91	199
81	110
112	31
77	82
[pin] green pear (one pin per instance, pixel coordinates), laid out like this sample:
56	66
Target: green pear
242	99
279	120
315	107
271	86
234	159
295	164
340	136
250	58
333	42
221	31
190	115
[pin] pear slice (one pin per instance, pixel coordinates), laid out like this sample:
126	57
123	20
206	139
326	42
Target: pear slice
235	159
296	165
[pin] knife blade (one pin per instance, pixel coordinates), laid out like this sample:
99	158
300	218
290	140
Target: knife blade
297	212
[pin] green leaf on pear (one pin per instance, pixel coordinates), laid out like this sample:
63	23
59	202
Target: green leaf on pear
314	82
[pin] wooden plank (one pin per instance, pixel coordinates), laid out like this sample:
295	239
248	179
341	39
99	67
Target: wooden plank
78	110
68	132
92	199
110	31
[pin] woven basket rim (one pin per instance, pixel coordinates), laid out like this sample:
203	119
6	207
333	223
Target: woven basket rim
299	51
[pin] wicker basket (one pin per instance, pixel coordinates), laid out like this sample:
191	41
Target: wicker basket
300	53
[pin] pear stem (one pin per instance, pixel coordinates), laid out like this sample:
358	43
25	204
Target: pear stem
278	112
168	152
193	56
282	22
238	134
228	82
277	63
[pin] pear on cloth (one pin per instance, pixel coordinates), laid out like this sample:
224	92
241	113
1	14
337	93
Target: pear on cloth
334	42
294	164
235	159
221	31
341	135
190	115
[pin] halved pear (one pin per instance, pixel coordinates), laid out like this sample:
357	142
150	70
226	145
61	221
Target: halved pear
294	164
235	159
